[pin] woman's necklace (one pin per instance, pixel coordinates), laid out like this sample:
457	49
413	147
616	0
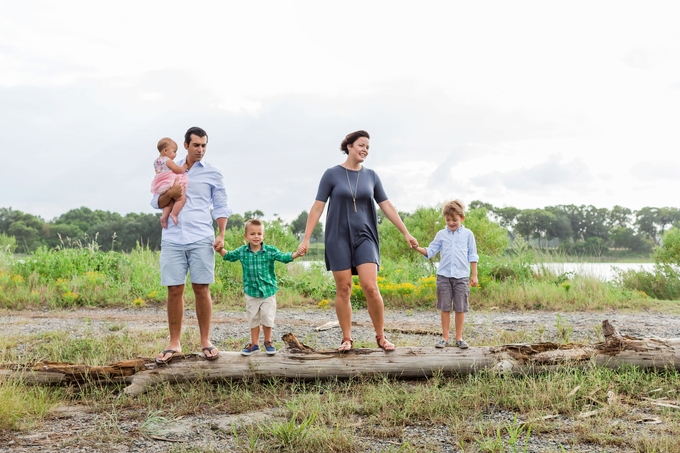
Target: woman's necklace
356	188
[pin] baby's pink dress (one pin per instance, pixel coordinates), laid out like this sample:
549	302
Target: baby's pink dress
165	178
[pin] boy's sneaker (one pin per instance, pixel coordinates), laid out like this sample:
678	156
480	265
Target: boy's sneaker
271	350
462	344
249	349
441	344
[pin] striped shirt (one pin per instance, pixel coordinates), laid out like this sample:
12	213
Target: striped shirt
259	279
458	249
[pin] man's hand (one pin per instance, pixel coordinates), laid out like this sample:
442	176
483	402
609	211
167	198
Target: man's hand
219	243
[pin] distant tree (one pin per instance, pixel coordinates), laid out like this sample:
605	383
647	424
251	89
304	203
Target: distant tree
299	225
627	238
257	214
235	221
535	223
653	221
85	218
619	217
476	204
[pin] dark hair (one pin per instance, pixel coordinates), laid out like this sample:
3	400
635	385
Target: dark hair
351	138
197	131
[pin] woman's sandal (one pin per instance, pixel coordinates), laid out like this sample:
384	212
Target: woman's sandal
346	345
386	345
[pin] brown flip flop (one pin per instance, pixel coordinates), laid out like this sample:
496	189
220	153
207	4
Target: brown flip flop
210	349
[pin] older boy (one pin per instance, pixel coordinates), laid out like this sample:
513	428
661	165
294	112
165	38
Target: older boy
458	253
259	282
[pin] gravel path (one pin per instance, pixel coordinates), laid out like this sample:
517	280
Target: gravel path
67	427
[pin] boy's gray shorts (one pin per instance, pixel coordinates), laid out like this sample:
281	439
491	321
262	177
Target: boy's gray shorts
197	258
453	291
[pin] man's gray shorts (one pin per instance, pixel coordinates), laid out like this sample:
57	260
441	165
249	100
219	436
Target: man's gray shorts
453	291
197	258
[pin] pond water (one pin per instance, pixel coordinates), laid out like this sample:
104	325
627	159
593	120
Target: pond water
601	271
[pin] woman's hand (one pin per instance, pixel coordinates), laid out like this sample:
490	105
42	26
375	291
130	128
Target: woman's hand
412	242
303	247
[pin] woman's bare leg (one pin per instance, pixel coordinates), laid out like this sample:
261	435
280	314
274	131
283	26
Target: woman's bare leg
368	278
343	306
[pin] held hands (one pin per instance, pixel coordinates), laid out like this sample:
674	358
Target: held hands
301	250
218	245
474	281
412	242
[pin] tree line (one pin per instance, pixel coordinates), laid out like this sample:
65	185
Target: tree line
587	229
108	230
575	229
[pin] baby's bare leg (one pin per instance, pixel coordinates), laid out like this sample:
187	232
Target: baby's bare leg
166	213
178	204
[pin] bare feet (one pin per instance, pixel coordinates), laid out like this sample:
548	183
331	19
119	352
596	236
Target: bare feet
164	222
174	218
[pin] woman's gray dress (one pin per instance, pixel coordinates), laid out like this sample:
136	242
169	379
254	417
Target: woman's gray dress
351	238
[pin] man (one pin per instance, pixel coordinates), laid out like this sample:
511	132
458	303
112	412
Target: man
190	245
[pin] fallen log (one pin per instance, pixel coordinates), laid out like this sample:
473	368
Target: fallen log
299	361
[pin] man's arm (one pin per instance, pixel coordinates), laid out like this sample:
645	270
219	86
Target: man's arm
172	193
221	228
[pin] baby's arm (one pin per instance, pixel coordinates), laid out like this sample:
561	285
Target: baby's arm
176	168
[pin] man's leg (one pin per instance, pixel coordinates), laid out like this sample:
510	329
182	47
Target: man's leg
204	315
175	315
173	274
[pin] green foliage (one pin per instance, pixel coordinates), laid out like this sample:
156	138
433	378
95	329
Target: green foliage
491	238
669	251
8	244
49	265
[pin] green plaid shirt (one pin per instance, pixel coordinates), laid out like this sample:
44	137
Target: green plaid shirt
259	279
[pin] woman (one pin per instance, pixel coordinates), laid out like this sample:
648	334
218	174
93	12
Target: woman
351	236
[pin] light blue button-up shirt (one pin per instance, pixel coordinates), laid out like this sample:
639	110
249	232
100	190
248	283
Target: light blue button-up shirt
205	189
457	250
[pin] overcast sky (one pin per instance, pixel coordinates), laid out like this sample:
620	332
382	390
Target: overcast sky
523	104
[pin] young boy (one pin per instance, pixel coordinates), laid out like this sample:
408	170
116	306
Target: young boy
259	282
458	252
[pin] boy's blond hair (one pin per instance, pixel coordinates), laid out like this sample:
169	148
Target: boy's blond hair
454	207
165	142
253	222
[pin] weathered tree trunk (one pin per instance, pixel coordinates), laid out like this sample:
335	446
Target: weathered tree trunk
301	362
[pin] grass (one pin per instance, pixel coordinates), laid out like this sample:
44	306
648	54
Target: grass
484	412
480	412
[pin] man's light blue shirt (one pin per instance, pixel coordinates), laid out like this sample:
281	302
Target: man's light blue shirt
457	250
205	189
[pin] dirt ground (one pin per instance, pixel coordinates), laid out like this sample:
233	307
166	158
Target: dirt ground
75	428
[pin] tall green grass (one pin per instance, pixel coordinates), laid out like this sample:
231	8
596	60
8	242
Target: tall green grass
88	277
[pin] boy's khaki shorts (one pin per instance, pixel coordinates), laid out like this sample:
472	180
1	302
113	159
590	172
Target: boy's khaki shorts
453	292
261	312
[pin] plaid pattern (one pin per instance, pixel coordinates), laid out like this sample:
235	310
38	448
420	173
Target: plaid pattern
259	279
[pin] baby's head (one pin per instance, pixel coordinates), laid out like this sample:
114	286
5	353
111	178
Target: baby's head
167	147
254	232
454	213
